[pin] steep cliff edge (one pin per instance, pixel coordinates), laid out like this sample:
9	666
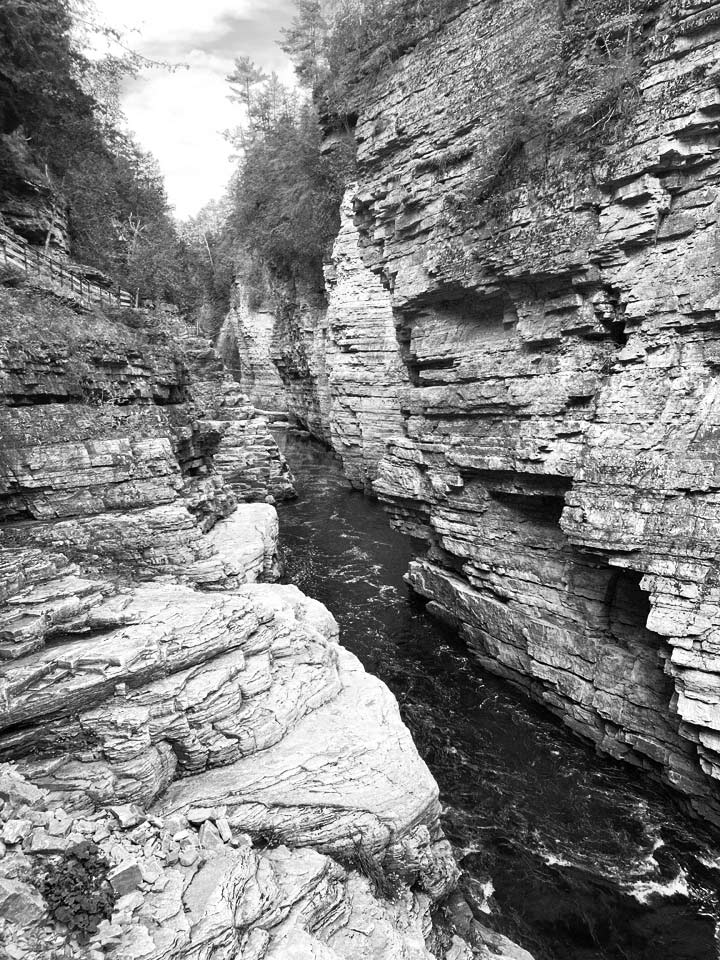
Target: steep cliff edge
184	742
537	192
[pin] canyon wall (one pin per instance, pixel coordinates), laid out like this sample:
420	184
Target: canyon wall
337	356
191	765
520	352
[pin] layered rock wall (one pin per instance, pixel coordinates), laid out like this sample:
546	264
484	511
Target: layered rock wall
523	357
244	345
336	361
559	324
195	732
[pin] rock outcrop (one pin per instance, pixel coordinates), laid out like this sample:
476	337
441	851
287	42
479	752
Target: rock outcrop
244	344
182	737
340	378
537	212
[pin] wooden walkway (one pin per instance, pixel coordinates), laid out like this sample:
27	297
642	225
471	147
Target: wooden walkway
17	252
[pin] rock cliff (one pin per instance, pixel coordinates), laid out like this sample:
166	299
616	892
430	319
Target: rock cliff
192	766
520	351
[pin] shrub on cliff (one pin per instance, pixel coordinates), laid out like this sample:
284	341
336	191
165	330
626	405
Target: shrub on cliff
335	51
77	890
283	207
286	197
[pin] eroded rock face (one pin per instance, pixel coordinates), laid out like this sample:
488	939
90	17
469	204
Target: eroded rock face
556	450
194	887
539	227
340	378
165	705
245	344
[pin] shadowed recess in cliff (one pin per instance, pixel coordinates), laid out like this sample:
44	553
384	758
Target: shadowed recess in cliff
467	322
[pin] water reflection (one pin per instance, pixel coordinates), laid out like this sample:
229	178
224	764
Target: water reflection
587	863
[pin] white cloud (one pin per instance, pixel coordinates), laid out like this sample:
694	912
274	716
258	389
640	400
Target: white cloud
180	116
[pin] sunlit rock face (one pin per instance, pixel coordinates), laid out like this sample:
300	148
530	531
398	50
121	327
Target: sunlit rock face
194	886
365	370
559	329
519	354
253	791
245	344
333	364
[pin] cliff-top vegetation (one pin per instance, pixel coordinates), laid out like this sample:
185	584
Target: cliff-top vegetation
63	137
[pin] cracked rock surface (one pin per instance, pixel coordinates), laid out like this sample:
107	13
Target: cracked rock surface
520	352
168	714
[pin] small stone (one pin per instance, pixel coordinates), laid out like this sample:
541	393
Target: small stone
224	829
16	830
200	814
175	823
108	933
101	833
125	877
188	856
127	814
17	792
43	842
19	902
130	902
210	839
118	853
59	828
150	870
38	817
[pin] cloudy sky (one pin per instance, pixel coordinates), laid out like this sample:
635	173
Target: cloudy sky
180	116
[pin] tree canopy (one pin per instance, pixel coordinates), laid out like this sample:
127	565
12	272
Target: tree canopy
59	112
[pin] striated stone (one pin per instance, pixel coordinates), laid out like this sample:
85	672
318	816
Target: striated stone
143	666
43	842
19	902
125	877
14	831
519	351
127	815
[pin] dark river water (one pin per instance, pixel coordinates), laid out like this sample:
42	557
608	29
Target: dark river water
586	862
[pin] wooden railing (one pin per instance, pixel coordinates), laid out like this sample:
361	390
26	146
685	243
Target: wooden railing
18	253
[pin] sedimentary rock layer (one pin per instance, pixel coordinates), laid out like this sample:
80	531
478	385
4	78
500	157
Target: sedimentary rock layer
537	213
561	336
241	785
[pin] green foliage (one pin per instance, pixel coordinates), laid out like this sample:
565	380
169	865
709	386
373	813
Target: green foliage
77	891
210	250
336	53
387	884
282	211
599	46
39	69
286	197
60	118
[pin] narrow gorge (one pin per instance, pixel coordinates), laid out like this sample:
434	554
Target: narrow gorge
517	358
370	611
